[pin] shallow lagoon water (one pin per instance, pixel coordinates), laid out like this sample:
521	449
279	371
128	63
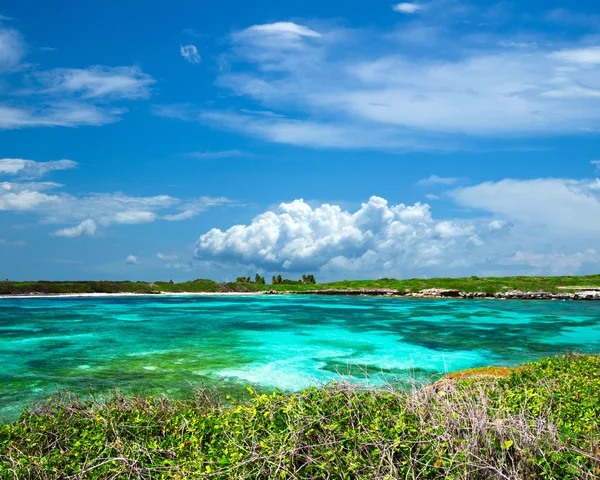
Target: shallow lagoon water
166	344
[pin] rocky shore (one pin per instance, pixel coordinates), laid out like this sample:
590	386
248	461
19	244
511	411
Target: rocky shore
446	293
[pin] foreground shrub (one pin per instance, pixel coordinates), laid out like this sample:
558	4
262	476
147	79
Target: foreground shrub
539	423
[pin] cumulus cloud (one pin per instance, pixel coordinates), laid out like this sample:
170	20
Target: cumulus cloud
378	237
31	168
543	226
87	228
407	8
131	260
190	53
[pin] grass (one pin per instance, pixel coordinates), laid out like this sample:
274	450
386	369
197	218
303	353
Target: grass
469	284
538	422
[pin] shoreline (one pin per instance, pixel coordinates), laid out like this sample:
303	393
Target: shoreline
583	295
127	294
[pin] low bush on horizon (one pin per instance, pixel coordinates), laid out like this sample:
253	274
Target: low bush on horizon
540	422
468	284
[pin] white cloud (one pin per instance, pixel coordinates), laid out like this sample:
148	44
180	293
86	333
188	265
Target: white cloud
597	164
25	197
33	169
131	260
285	29
97	82
179	266
297	237
433	180
194	207
309	134
405	99
553	263
87	228
54	206
66	97
560	207
190	53
163	256
586	56
10	243
407	8
517	227
12	49
134	216
219	154
57	114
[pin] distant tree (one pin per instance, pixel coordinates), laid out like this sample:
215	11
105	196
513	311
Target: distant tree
273	280
259	280
279	279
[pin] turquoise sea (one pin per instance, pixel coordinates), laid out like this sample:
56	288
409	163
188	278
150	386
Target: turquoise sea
154	344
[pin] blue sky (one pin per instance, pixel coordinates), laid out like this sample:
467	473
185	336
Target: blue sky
152	140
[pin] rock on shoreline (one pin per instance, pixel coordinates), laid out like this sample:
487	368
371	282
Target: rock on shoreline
449	293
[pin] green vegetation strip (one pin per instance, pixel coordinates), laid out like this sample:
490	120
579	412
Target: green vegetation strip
471	284
539	422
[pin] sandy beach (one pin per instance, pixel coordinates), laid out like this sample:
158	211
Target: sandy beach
127	294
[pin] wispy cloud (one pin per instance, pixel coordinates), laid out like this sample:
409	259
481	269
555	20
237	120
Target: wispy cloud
162	256
407	8
195	207
12	48
434	180
96	82
65	97
92	211
131	260
391	96
12	243
190	53
280	29
33	169
218	154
